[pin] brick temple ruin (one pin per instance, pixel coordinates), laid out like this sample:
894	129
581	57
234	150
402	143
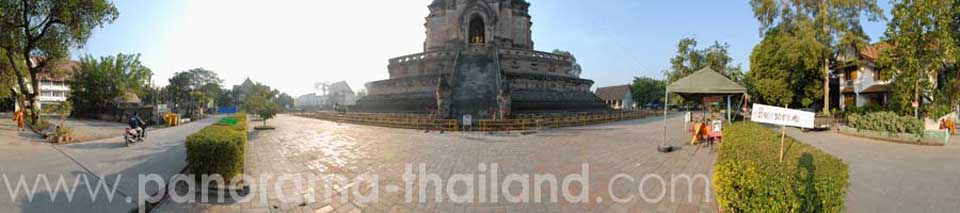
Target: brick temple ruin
479	60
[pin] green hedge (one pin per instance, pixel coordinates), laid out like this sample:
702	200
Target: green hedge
886	122
219	148
748	176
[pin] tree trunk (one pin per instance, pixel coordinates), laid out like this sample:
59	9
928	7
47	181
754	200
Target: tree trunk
916	98
30	93
826	86
34	99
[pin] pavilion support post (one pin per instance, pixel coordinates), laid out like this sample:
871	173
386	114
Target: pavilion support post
728	109
666	106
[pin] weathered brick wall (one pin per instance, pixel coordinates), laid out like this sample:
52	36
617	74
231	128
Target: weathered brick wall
530	81
507	24
416	84
431	63
535	62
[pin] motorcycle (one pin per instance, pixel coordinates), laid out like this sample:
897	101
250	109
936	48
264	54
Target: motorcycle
132	136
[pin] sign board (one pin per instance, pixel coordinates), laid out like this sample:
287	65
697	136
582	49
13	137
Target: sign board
467	120
712	99
717	126
782	116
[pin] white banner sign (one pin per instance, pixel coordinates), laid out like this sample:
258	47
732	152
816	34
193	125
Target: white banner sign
782	116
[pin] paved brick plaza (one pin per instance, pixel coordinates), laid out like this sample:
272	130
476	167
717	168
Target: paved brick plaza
316	148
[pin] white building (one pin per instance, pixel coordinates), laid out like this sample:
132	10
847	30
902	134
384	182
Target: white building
340	93
863	84
617	97
54	89
310	100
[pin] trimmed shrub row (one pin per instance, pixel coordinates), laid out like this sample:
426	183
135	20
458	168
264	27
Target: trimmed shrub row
886	122
749	177
218	148
929	137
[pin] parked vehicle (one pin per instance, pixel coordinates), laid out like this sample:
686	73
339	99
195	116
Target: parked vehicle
821	122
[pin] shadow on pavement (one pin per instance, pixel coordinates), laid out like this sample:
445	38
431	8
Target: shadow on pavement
103	145
806	190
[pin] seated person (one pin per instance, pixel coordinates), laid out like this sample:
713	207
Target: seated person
136	123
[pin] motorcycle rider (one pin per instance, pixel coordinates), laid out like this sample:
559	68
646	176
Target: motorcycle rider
137	124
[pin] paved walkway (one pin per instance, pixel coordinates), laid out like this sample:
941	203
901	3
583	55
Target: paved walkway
83	129
107	159
315	147
892	177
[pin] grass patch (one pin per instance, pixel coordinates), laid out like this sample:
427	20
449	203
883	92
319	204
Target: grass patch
749	177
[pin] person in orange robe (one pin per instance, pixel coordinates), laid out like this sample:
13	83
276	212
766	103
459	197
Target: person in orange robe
18	118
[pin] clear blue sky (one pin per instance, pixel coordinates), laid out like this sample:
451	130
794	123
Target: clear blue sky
289	44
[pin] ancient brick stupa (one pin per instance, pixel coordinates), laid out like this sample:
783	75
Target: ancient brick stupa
479	60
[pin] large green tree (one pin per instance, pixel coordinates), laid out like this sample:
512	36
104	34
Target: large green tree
36	32
228	98
835	24
647	90
784	69
191	90
923	42
97	83
8	82
284	101
689	59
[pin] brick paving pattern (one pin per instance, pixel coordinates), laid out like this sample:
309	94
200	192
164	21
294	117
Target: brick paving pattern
316	147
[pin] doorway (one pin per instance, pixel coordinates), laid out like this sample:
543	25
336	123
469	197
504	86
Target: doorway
477	31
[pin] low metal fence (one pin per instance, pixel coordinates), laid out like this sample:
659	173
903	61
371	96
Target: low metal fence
404	121
522	123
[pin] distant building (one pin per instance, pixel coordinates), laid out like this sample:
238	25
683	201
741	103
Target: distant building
310	100
617	97
862	84
54	89
240	91
340	93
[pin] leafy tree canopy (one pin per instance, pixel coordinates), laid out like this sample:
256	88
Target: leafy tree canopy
193	90
834	24
784	69
284	101
97	83
34	32
923	38
647	90
689	59
259	100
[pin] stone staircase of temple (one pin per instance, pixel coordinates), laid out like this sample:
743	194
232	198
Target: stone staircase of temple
475	90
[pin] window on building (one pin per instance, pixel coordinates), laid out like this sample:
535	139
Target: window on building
853	75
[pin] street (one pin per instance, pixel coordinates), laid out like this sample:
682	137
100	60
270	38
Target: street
30	159
893	177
